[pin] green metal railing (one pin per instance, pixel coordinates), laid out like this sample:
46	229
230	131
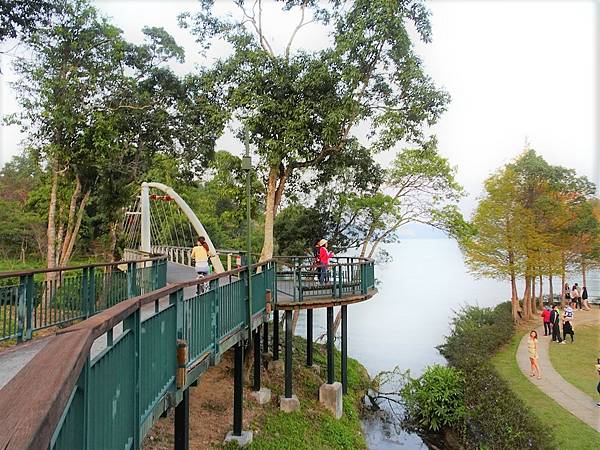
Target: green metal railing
300	278
110	398
38	299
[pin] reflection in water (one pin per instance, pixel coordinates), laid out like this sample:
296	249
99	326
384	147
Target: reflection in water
418	292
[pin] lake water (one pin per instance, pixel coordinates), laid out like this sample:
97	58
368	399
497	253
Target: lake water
401	326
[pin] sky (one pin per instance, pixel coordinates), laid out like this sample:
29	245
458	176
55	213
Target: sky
517	72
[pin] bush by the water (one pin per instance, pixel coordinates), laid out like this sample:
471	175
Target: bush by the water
495	417
436	399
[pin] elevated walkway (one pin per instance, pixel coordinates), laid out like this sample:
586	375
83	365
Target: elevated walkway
104	381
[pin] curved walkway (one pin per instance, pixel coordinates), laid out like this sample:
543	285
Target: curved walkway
555	386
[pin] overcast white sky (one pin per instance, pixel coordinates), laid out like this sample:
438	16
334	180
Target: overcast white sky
514	69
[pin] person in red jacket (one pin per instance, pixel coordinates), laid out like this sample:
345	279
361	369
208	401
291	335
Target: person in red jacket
324	256
546	318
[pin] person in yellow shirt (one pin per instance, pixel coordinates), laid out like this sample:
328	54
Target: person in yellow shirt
200	255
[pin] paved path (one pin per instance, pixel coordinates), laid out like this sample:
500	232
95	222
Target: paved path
555	386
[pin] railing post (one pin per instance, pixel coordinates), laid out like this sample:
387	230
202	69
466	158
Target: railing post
85	302
300	292
214	321
91	293
131	280
29	307
363	279
333	284
176	298
133	324
154	274
21	308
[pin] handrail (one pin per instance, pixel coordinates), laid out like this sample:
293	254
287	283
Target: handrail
62	360
19	273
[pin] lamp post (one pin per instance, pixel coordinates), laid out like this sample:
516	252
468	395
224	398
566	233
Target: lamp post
247	167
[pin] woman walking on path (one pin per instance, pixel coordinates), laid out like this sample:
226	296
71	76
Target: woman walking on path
584	299
555	321
568	323
546	319
567	293
533	354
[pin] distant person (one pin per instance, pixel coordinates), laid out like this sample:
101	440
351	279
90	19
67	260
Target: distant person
200	255
546	319
555	321
567	293
575	298
532	349
584	299
316	259
324	256
598	370
568	323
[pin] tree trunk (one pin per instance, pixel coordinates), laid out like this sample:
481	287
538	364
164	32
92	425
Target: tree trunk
551	288
516	307
51	229
541	297
71	219
563	279
112	250
533	305
267	249
66	256
583	273
526	298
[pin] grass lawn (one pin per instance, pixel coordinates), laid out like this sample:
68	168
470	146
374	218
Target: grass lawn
312	427
575	362
568	431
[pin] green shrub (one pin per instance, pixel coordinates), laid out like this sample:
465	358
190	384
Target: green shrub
496	417
436	399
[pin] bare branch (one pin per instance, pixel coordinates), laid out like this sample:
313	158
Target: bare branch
300	25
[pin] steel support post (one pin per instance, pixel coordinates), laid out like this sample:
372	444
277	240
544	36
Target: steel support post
309	337
275	334
330	376
182	422
265	327
288	354
345	349
238	376
256	386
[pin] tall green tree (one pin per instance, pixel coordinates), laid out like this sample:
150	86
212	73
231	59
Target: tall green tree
97	109
302	108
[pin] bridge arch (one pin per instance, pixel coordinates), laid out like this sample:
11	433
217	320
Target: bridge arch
146	243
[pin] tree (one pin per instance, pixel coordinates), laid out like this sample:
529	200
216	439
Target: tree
97	109
302	108
423	190
23	17
526	223
494	250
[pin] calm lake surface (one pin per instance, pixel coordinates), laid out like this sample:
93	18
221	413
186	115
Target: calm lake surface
401	326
